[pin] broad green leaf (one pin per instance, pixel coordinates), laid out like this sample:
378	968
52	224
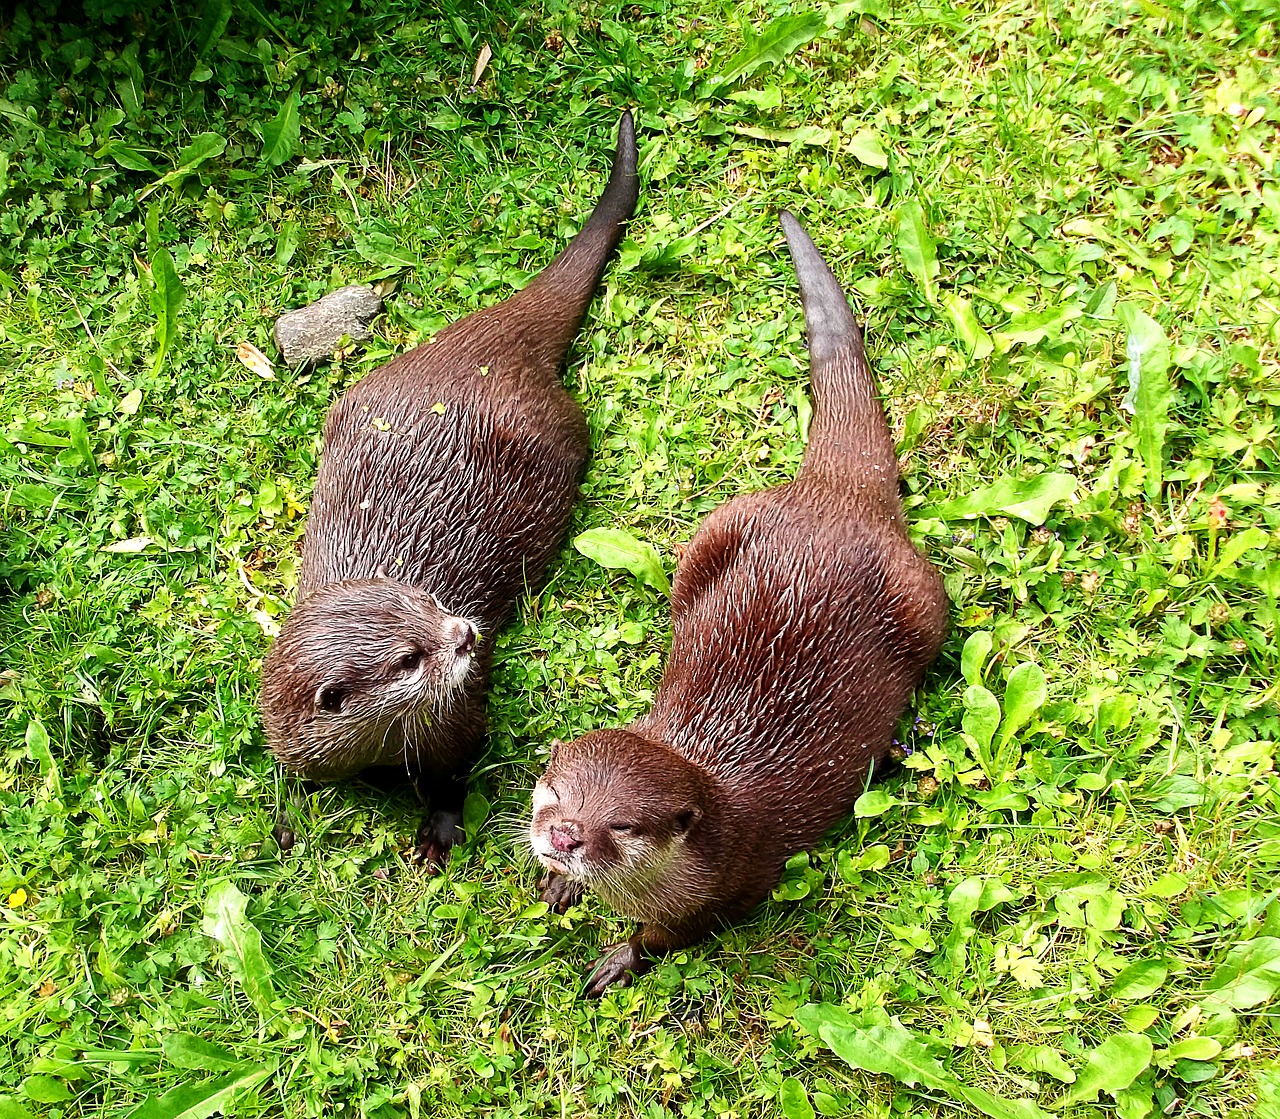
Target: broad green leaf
29	495
793	1100
896	1052
1141	1016
381	248
1134	1102
1248	976
281	135
1024	695
874	802
191	1052
46	1089
78	433
287	238
981	715
10	1108
1150	394
808	134
768	98
1115	1064
1028	329
202	148
1250	539
217	13
1190	1049
37	741
864	145
445	121
814	1015
975	895
1028	499
226	922
775	44
1268	1085
166	296
616	549
1046	1059
888	1050
917	248
997	1106
203	1099
976	340
129	158
475	811
1139	980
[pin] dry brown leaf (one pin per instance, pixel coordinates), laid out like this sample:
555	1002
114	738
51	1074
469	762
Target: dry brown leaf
253	358
481	62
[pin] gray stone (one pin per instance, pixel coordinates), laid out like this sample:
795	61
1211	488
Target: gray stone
313	333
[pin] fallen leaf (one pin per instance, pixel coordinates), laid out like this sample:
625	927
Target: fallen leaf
254	359
481	62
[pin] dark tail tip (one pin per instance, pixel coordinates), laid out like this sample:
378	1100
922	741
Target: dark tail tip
827	315
624	186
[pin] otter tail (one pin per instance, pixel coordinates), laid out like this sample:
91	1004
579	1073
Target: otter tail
554	303
850	446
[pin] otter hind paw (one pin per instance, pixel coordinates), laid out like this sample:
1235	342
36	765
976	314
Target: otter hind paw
559	892
436	837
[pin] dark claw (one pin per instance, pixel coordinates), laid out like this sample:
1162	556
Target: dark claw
559	892
619	965
436	838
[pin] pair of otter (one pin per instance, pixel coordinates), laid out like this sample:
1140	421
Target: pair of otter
803	616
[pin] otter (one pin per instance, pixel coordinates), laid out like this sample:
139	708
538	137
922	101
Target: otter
445	488
803	619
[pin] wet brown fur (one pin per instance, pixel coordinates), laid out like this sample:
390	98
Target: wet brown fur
445	490
803	620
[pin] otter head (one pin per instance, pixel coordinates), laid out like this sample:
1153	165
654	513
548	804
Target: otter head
359	671
615	812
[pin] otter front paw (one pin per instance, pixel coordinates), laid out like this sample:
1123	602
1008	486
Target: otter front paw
619	965
436	838
559	892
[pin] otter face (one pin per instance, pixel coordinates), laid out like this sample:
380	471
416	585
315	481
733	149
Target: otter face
359	672
614	811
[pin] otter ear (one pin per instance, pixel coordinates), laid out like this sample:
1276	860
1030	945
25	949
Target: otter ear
556	743
687	818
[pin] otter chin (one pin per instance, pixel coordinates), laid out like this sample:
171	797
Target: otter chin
803	618
360	671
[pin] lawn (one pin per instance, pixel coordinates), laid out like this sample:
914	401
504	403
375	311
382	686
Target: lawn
1061	224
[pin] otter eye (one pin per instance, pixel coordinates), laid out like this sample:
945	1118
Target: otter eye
622	829
410	661
331	698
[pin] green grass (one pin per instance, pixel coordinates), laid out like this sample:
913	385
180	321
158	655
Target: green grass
1074	164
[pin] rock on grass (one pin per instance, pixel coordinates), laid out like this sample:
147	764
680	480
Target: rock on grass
313	333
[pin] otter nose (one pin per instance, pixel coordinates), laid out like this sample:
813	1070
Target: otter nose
564	840
461	634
